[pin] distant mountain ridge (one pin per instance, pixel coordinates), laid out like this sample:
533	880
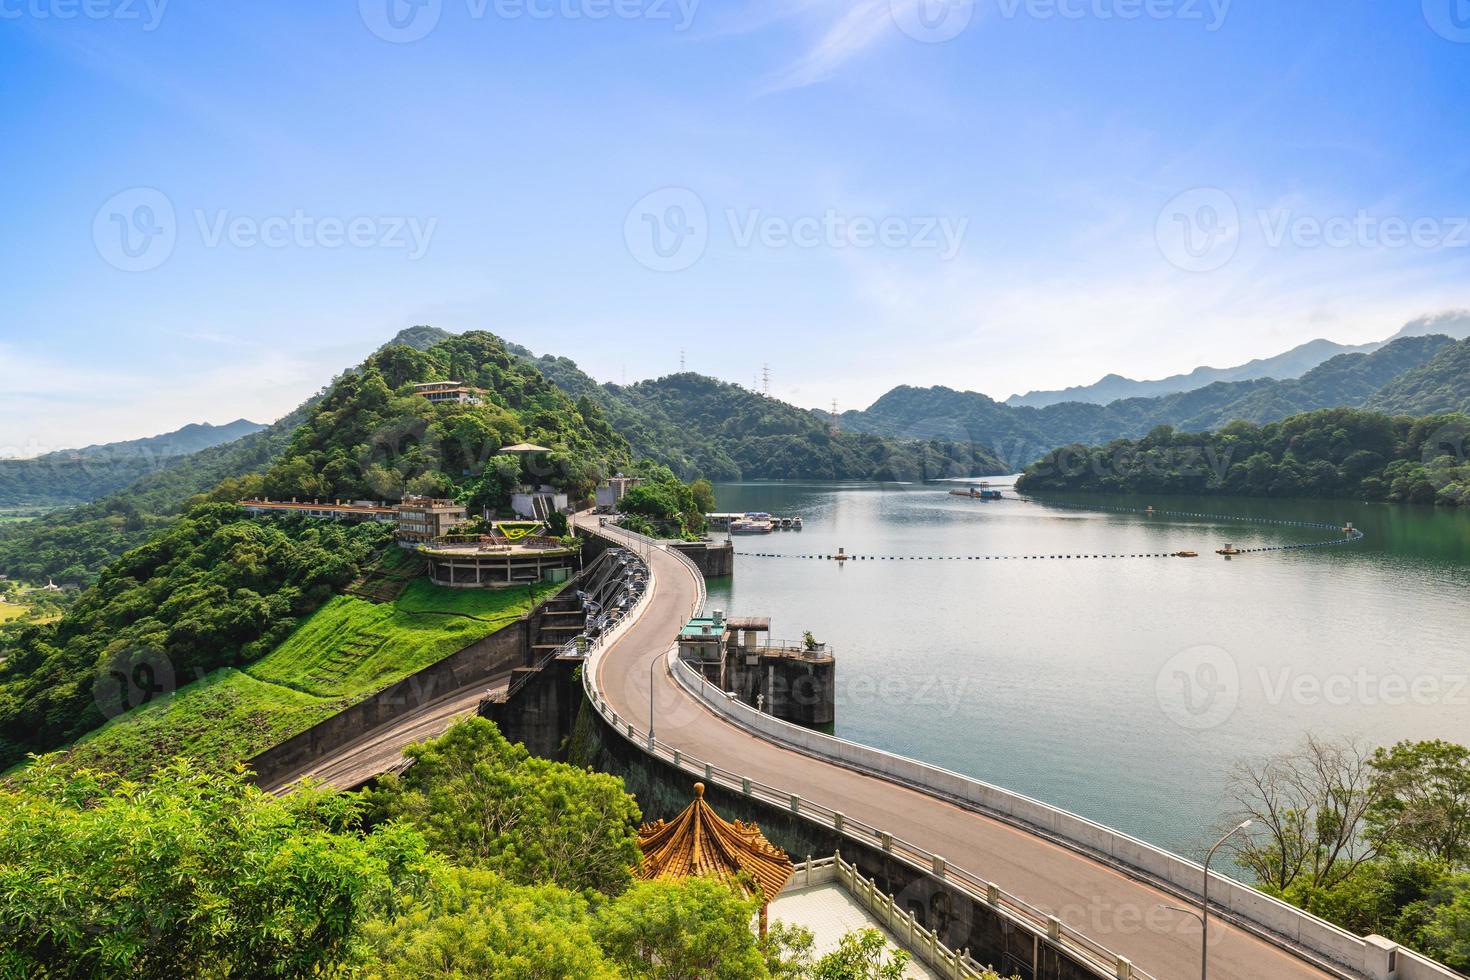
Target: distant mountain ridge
76	476
1021	435
701	426
189	439
1282	367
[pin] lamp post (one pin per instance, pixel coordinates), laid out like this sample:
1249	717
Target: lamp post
1204	915
651	665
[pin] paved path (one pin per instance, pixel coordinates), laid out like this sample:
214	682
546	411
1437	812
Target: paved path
1121	913
377	750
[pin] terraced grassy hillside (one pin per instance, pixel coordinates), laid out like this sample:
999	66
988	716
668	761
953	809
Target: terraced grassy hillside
346	651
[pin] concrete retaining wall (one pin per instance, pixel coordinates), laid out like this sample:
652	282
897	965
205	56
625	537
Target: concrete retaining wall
490	658
714	559
1366	957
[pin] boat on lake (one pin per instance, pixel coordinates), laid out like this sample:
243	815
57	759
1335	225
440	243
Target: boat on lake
750	526
976	493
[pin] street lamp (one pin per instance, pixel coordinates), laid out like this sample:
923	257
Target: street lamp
1204	909
651	665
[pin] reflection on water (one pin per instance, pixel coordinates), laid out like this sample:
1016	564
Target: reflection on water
1121	689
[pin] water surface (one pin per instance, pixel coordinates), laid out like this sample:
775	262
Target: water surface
1120	689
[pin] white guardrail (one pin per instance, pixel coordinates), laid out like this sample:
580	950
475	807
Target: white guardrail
1375	958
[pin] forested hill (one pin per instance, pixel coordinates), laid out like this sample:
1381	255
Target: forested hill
1340	452
1022	435
371	437
702	427
1441	385
75	476
1292	364
190	439
73	544
212	588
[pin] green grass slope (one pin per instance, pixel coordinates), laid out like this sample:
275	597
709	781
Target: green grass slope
348	650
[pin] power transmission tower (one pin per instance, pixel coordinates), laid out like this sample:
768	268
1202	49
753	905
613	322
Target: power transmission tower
832	423
681	360
766	379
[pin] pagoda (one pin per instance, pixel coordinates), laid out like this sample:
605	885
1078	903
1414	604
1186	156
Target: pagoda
699	843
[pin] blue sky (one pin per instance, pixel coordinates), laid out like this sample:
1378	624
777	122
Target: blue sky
1001	196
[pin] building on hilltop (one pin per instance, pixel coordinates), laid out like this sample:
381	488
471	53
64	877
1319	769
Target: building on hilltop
538	504
357	510
422	519
613	491
418	520
440	392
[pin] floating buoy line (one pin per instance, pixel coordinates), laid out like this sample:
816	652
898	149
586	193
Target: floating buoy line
1350	535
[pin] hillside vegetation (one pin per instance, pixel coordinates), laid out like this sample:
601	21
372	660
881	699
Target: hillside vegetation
212	590
700	427
74	544
1021	435
371	437
1330	453
76	476
347	650
1441	385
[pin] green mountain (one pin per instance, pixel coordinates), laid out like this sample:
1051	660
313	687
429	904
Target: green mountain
371	437
1024	434
210	588
1339	452
702	427
75	476
1442	384
73	544
1292	364
1114	387
190	439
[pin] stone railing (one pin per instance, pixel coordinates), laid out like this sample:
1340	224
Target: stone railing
923	943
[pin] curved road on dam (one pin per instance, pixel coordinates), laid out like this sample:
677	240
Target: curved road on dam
1088	895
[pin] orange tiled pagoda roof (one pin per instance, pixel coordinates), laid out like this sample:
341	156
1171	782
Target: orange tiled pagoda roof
698	843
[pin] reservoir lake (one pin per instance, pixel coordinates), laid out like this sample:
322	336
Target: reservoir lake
1123	689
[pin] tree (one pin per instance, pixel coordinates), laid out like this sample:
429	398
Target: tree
1309	806
1421	802
862	955
704	496
697	929
477	924
193	874
493	489
1446	933
487	803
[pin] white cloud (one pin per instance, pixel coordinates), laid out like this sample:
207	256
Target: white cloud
857	28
